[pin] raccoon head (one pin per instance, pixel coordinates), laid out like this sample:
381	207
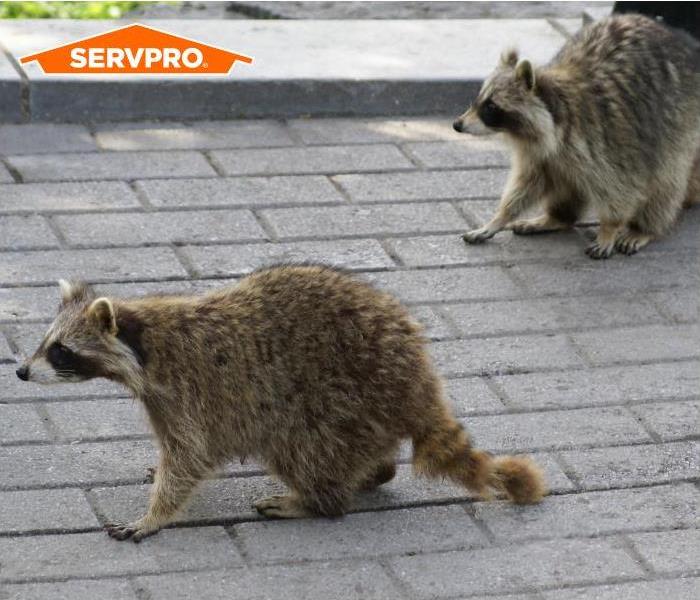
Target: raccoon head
508	103
82	342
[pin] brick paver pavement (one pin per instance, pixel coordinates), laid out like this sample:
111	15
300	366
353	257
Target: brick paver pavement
592	367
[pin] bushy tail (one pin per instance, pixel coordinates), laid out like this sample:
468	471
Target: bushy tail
446	452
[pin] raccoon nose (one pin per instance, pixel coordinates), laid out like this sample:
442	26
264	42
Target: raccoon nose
23	373
457	125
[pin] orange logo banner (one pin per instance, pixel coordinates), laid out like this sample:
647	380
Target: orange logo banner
136	49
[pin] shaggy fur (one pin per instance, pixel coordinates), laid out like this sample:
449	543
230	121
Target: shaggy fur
613	122
313	373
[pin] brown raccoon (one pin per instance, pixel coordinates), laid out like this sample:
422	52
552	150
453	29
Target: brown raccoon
613	122
315	374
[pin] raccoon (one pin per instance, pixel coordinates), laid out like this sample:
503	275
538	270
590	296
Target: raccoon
611	123
313	373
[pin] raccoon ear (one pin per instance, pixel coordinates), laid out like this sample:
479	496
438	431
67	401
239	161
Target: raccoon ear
525	72
509	57
74	291
102	312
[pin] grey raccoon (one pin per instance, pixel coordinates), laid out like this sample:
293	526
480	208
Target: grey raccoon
313	373
612	122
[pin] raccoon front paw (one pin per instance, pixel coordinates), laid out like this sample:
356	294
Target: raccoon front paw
280	507
630	242
135	531
478	236
598	251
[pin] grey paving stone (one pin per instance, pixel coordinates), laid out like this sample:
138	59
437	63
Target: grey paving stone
96	419
76	589
481	211
511	316
594	513
17	233
502	597
542	563
28	303
618	274
630	466
363	535
671	420
77	196
442	250
204	135
318	581
6	353
683	308
503	354
111	165
669	551
678	589
472	396
610	385
75	464
384	187
46	266
53	556
557	429
382	220
144	288
37	138
460	154
237	191
536	315
363	131
443	285
213	261
320	159
199	226
655	342
45	511
435	327
20	423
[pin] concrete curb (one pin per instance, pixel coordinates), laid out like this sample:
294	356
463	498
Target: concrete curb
317	68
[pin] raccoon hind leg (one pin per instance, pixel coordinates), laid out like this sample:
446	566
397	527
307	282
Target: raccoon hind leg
326	499
654	218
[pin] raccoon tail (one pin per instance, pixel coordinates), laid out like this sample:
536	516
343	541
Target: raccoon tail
446	452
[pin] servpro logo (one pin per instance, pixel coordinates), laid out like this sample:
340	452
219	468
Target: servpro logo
136	49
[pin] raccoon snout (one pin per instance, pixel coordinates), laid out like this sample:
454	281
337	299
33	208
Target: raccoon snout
457	125
23	373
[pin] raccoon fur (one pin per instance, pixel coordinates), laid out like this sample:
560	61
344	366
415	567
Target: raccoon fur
313	373
611	123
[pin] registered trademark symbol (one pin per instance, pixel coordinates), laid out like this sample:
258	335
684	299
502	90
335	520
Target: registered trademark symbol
205	65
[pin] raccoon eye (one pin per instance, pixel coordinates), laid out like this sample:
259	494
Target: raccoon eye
59	356
490	113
